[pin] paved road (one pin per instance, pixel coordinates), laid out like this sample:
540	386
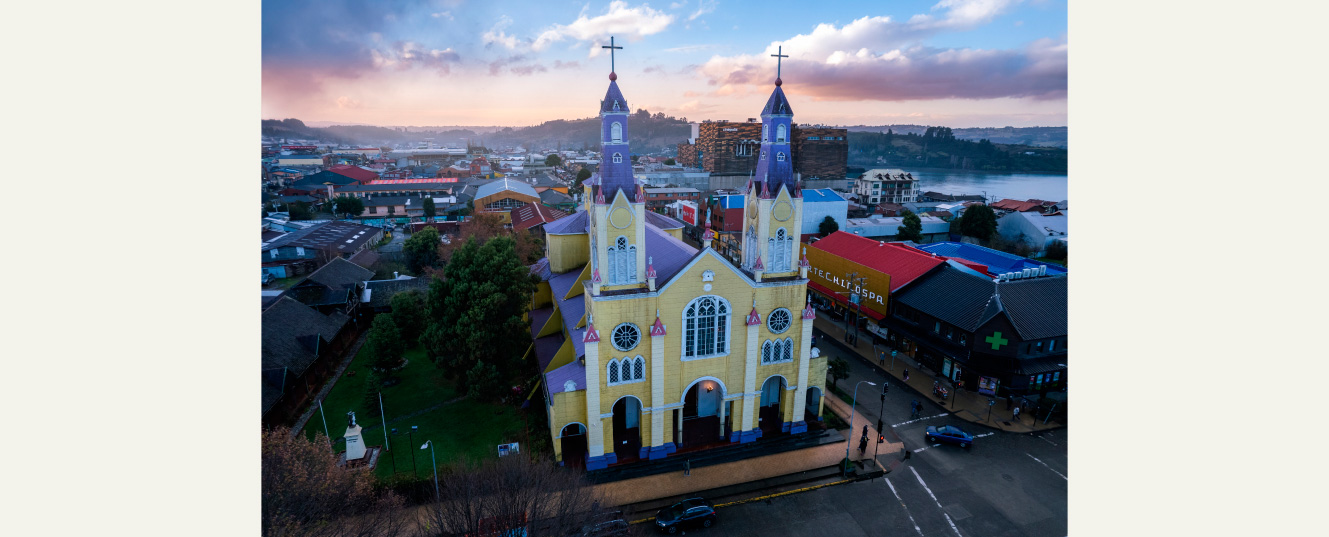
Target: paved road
1006	484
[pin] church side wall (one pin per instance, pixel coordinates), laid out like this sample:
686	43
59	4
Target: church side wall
568	252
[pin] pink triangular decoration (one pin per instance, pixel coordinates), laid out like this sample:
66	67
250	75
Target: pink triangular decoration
753	318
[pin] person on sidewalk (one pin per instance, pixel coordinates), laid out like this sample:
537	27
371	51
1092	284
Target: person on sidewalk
687	467
906	374
1015	414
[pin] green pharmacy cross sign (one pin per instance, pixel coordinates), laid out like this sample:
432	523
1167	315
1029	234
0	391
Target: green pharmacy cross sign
996	340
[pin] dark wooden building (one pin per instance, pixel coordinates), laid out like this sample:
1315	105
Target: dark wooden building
301	350
732	148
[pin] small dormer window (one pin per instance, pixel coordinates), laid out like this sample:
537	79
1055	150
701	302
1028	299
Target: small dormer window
615	104
618	158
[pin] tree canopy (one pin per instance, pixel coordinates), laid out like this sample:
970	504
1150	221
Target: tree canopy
430	212
827	226
306	493
837	368
912	230
347	205
475	311
978	221
408	312
384	343
553	160
670	162
422	250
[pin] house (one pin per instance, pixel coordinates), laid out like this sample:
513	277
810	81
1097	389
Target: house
1031	205
1000	337
558	200
882	185
533	217
817	205
658	198
303	250
334	287
1034	229
996	261
889	209
502	196
888	228
300	160
300	350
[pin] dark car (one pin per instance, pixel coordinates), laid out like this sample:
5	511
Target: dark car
688	513
948	434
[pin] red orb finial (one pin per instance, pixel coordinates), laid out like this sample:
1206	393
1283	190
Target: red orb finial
778	82
613	75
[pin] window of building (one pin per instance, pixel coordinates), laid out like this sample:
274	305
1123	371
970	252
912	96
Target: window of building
779	133
765	133
779	156
622	262
616	132
1052	345
706	327
778	320
618	158
778	249
964	339
629	369
937	328
814	137
948	332
626	336
1038	347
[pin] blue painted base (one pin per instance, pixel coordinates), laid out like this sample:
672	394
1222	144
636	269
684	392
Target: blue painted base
748	436
798	427
597	463
660	452
784	427
733	436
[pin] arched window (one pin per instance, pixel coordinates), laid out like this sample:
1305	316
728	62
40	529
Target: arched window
622	263
616	132
779	247
779	156
766	352
618	158
788	349
627	370
706	327
613	371
615	104
779	134
765	133
639	368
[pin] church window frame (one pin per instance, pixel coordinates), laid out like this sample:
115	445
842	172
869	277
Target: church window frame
779	134
779	246
622	262
618	158
706	322
779	157
616	132
626	370
779	320
612	375
765	133
626	336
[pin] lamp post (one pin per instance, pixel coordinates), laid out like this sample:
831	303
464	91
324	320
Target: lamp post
411	435
430	444
851	420
885	387
394	455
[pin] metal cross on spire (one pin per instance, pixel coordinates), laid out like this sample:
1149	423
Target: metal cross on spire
611	48
778	56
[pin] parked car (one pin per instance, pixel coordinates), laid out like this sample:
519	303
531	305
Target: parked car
948	434
615	528
688	513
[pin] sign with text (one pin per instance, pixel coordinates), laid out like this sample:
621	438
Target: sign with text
687	213
832	272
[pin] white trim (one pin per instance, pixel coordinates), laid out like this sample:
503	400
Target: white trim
723	389
609	415
640	405
584	429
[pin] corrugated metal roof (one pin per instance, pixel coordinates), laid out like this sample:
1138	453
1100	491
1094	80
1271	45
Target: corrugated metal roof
557	380
668	254
997	261
956	297
1037	306
902	263
821	195
662	221
489	189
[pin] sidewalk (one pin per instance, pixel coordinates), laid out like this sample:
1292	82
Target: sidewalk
967	405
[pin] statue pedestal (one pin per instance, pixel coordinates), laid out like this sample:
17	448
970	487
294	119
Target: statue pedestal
355	444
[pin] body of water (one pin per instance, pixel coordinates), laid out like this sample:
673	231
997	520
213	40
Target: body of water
1019	186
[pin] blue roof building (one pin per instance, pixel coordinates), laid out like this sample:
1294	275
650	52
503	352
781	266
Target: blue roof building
998	262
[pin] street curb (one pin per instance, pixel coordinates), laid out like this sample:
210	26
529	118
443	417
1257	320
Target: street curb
765	497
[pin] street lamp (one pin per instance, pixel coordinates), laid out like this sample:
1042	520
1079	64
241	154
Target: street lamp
851	419
411	435
394	454
430	444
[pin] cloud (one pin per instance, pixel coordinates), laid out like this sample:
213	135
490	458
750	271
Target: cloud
495	35
496	67
618	19
527	70
963	13
559	64
677	5
654	69
689	48
703	7
347	102
407	54
442	15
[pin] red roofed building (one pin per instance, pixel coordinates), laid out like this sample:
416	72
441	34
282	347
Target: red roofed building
877	268
361	175
1021	206
533	217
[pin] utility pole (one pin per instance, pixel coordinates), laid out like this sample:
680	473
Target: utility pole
856	299
881	433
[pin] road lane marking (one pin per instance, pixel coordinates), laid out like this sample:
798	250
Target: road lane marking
1048	441
984	434
934	499
1045	465
906	509
920	419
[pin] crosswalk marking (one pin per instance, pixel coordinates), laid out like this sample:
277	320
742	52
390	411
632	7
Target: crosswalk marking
906	509
1063	476
934	499
920	419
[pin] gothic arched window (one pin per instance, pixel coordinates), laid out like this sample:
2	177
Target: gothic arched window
613	371
779	247
616	132
622	262
639	368
779	133
766	352
706	327
788	349
765	133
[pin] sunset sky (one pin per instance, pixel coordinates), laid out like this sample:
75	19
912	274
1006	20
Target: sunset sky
959	63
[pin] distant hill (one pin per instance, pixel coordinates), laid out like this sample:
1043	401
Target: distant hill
1034	136
357	134
940	147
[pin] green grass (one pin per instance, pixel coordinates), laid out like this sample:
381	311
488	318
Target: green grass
1050	261
462	429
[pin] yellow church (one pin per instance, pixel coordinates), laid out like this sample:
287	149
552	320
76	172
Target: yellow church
651	347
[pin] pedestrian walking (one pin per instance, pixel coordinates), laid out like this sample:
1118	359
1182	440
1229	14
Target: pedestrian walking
906	374
1015	414
862	444
687	467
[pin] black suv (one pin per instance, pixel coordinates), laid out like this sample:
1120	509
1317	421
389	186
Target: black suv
691	512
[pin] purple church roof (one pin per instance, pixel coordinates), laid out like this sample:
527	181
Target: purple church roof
663	222
669	255
573	224
558	378
614	96
777	104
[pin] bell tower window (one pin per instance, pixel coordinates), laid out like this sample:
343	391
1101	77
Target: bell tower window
779	134
779	156
616	132
618	158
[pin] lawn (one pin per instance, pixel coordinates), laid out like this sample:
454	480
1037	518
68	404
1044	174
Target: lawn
462	429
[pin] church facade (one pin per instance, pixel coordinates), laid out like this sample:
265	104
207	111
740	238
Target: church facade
648	345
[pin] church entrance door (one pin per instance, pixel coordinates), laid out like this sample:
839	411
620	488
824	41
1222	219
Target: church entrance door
772	420
701	414
573	440
627	429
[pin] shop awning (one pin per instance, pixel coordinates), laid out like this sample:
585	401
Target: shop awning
842	298
1047	364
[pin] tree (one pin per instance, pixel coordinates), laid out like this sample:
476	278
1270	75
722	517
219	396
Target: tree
369	402
384	343
553	160
582	175
978	221
485	226
422	250
837	368
306	493
1057	250
912	230
515	492
430	212
408	312
475	311
670	162
483	383
299	211
828	225
348	205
